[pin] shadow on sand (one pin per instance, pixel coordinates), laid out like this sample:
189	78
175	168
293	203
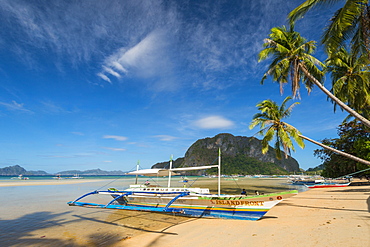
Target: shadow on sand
100	228
17	232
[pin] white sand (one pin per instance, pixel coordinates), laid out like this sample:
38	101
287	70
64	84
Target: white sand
318	217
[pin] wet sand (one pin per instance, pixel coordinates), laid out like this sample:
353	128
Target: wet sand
8	183
318	217
326	217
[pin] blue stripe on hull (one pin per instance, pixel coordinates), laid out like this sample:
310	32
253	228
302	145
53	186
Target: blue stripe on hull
189	212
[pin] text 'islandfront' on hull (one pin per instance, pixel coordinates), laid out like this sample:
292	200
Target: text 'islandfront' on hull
186	202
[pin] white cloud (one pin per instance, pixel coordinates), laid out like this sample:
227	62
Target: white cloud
150	58
14	106
112	72
115	149
165	137
104	77
214	122
117	138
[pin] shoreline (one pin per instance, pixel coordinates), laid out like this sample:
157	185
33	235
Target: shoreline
6	183
326	217
329	216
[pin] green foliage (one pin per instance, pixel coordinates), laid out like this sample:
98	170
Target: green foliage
354	138
350	24
292	59
273	128
351	80
243	165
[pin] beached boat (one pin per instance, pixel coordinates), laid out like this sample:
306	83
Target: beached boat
328	185
307	182
191	202
20	177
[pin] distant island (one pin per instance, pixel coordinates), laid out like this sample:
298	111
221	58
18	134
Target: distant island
240	155
18	170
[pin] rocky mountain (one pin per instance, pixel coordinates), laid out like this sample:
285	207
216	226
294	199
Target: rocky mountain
93	172
205	152
18	170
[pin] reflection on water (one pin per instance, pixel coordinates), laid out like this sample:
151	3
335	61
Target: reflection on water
40	216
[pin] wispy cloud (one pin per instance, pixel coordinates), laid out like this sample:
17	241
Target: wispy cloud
53	108
14	106
115	149
81	155
147	59
214	122
164	44
117	138
165	137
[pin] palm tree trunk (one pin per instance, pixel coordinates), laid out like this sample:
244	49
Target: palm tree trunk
334	98
350	156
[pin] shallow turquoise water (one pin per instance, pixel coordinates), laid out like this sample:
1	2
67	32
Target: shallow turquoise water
39	215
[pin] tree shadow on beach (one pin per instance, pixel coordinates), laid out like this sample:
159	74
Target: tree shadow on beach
354	190
320	207
127	224
18	232
137	228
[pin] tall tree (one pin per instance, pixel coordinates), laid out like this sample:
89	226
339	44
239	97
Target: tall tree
351	79
273	128
292	60
352	138
349	24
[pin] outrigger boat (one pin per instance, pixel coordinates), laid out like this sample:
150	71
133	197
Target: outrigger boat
328	185
191	202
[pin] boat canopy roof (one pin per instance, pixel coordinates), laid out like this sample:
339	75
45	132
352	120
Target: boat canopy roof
166	172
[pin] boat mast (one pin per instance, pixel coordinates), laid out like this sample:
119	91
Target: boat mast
219	171
169	172
137	168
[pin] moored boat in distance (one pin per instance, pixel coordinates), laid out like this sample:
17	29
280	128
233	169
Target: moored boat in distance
57	177
328	185
191	202
20	177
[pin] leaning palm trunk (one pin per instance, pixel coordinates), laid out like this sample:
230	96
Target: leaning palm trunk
334	98
350	156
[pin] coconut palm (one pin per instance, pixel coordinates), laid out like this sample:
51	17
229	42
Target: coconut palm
351	79
292	61
273	128
350	24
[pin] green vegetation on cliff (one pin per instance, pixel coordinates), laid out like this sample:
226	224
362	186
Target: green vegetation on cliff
240	155
242	165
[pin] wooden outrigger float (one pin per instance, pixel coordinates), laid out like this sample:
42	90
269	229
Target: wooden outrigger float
191	202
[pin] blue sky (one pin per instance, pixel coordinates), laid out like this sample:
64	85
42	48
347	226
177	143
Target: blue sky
103	84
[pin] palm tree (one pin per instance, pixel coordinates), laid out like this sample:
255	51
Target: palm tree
351	79
273	128
351	23
292	61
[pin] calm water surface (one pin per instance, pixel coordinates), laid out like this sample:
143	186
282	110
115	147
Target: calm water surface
40	216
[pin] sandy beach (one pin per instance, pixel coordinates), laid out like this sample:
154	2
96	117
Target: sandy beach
39	216
318	217
10	183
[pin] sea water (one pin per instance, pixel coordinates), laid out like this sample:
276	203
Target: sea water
39	215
